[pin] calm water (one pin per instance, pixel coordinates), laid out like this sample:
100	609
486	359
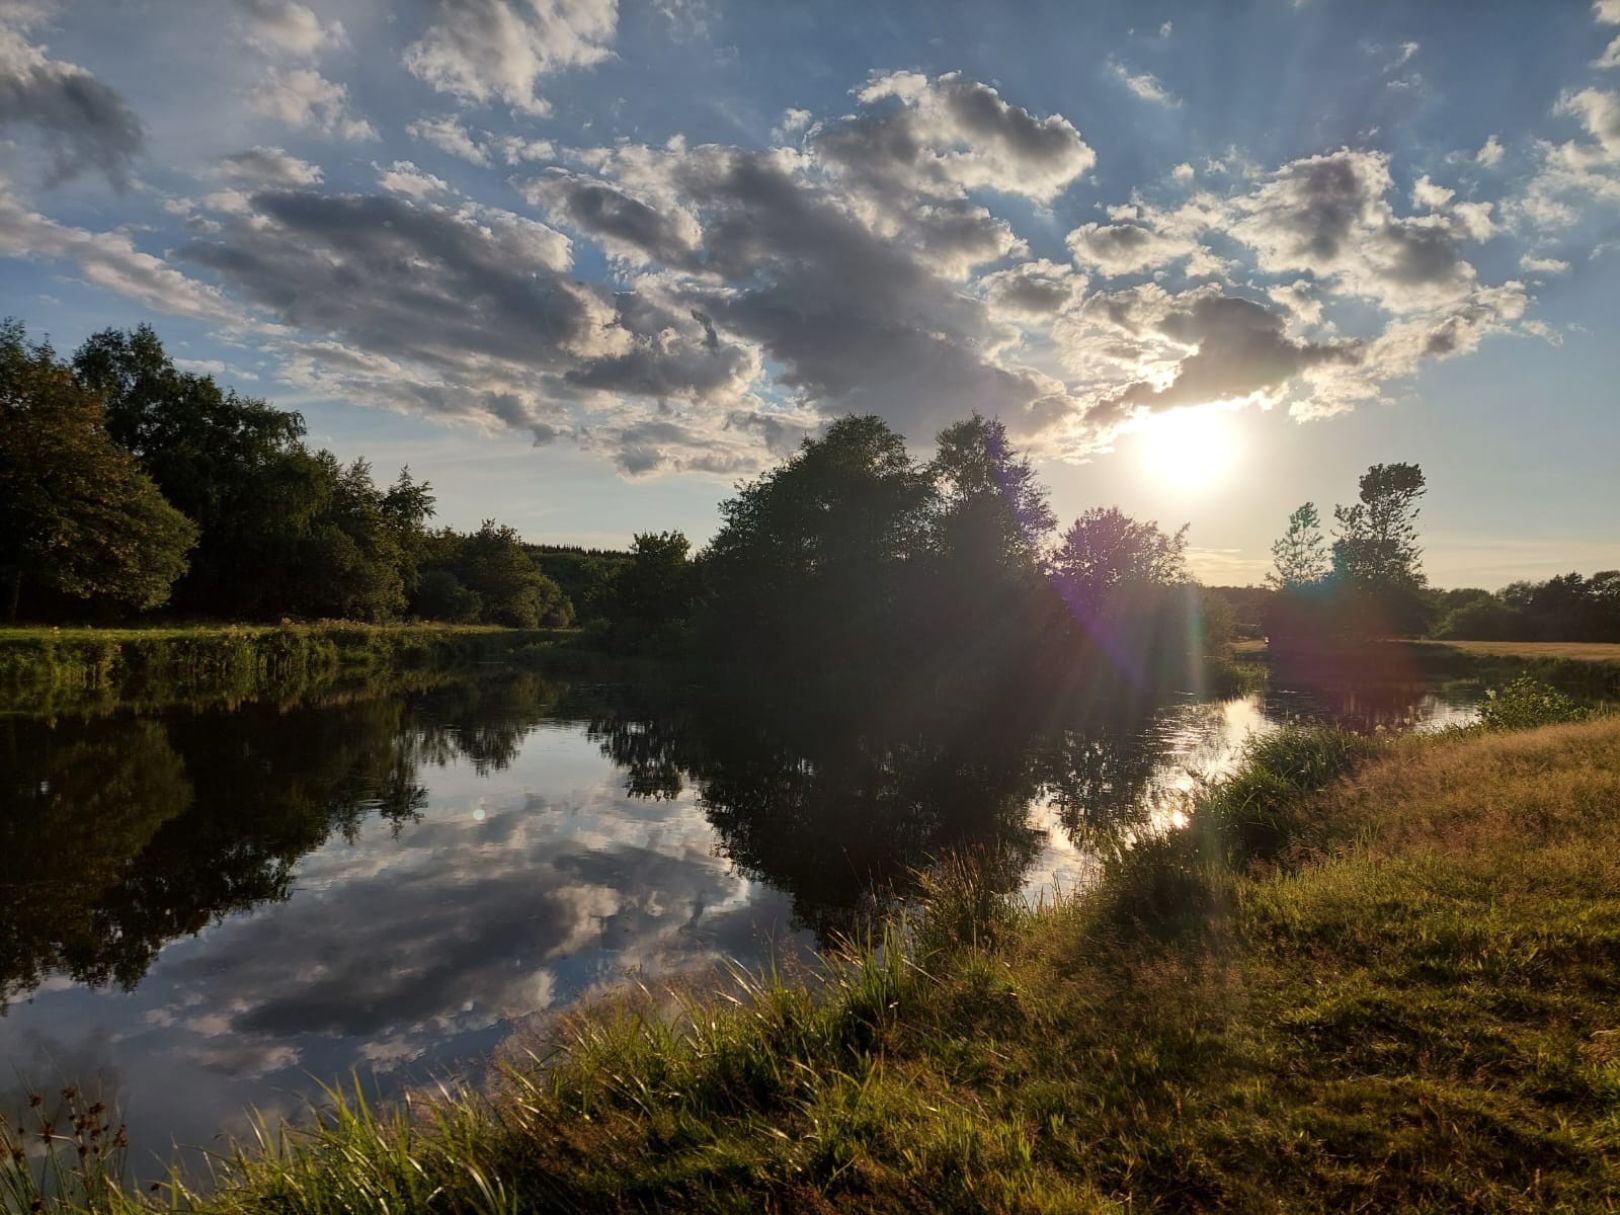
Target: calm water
204	911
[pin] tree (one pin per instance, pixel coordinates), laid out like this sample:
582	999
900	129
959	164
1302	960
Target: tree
1377	544
440	595
1299	559
991	511
1377	562
78	517
816	551
656	586
495	567
1105	550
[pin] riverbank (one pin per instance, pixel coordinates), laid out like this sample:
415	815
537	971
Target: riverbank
1588	669
1367	975
50	670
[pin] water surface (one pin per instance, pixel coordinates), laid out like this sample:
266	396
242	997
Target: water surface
210	909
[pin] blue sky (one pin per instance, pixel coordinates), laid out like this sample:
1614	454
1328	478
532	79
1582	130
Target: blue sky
584	264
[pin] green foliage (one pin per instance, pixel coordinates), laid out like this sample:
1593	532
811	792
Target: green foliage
440	595
493	565
1299	559
1525	703
1106	551
649	598
78	518
819	547
1377	546
581	573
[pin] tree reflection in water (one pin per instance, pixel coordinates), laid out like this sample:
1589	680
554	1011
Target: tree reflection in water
121	833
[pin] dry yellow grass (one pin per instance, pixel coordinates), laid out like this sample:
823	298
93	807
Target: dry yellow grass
1578	651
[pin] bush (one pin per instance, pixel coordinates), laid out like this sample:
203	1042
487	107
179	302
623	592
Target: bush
441	596
1526	703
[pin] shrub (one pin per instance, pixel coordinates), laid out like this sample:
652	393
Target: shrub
1526	703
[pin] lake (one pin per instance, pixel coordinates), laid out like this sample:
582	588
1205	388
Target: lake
211	909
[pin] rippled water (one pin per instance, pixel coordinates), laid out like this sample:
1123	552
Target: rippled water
206	910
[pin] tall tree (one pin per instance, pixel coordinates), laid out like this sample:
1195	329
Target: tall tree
1299	559
1105	550
815	550
1377	544
78	517
992	509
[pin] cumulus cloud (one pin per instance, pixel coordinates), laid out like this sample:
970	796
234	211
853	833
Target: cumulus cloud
266	167
1143	84
1427	194
1599	112
286	26
302	97
946	135
1225	348
403	177
487	50
1490	153
1543	265
82	123
449	135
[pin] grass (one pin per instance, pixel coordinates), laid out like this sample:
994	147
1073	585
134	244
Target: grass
1574	651
1368	976
49	670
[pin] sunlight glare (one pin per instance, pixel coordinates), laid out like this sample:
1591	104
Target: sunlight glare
1188	450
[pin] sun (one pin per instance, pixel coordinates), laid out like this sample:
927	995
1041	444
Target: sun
1187	450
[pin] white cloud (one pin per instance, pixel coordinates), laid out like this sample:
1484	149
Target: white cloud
1607	12
1183	172
302	97
487	50
1490	153
1430	196
110	260
403	177
286	26
793	121
1599	112
449	135
1166	29
265	166
951	134
1543	265
1144	84
1610	57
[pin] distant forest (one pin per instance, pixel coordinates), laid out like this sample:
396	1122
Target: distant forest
130	486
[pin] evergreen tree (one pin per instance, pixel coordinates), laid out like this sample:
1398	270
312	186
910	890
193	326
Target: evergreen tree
1299	559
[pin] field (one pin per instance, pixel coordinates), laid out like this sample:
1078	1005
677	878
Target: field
1531	651
1369	976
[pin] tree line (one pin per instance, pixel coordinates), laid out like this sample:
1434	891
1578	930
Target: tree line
1369	580
952	569
128	484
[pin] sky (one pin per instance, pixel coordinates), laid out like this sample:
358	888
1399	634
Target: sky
585	264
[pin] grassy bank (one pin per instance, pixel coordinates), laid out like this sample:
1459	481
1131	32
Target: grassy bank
1367	976
44	670
1587	669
